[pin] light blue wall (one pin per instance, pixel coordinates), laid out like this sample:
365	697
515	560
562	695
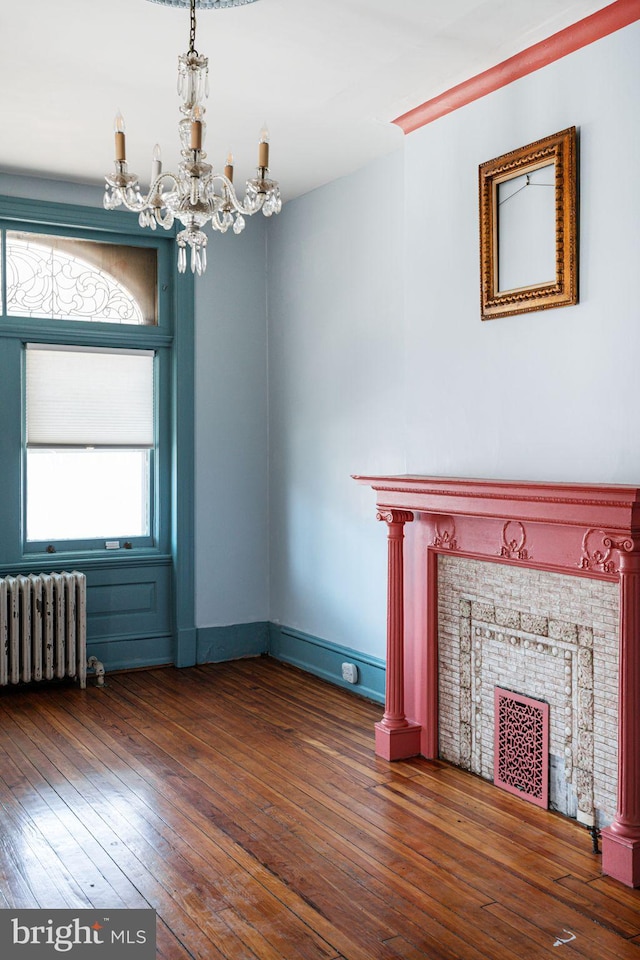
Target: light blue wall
337	400
57	191
550	395
231	490
379	362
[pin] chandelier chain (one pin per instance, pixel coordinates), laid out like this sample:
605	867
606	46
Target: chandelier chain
192	29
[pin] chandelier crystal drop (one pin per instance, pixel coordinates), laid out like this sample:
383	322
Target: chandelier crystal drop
196	195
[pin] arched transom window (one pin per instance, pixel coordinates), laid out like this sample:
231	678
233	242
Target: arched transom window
66	279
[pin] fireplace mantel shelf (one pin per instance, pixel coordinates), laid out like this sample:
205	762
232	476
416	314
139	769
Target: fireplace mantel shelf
573	528
611	506
584	530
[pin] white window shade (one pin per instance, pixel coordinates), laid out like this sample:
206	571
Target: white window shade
79	397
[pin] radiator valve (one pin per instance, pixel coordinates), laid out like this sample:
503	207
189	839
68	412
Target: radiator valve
94	664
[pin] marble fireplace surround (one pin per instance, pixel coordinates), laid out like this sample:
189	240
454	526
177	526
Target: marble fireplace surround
584	530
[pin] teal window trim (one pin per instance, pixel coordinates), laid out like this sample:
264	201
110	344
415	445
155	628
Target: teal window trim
3	273
40	213
183	469
173	341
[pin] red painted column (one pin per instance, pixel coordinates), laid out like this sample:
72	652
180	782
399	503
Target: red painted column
621	841
396	737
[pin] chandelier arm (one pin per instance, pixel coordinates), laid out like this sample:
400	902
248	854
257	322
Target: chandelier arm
167	220
135	205
217	223
230	195
155	199
151	201
240	206
153	187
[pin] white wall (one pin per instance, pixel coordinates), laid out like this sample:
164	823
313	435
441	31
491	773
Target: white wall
379	361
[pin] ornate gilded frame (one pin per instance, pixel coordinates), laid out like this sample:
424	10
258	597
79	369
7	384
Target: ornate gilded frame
559	149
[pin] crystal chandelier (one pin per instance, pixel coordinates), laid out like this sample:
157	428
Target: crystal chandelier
196	195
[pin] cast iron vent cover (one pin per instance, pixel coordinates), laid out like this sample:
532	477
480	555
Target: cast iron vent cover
521	742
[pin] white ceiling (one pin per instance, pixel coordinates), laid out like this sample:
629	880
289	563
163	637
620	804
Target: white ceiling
328	76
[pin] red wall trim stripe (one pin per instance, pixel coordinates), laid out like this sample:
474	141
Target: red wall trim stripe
600	24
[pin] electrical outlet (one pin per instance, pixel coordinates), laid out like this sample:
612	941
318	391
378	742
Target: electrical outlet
350	672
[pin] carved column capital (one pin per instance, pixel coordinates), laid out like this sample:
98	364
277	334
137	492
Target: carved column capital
628	555
601	549
389	515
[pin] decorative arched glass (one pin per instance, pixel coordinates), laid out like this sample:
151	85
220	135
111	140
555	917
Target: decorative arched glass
66	279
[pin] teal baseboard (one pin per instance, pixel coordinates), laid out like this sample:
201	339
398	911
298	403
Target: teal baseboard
325	659
215	644
187	647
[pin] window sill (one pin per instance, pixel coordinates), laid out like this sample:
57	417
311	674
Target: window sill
88	560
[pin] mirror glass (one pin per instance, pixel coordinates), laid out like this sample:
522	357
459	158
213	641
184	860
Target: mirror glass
526	226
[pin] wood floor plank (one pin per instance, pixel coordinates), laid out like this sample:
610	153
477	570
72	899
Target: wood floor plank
553	853
244	802
17	887
462	791
613	890
548	934
233	734
620	917
168	947
402	948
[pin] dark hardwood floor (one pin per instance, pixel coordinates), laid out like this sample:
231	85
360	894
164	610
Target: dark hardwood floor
244	803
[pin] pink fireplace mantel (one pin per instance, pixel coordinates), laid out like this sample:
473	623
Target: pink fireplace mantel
578	529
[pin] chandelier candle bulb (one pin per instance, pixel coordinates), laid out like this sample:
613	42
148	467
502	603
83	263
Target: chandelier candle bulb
196	134
263	149
118	127
156	163
228	170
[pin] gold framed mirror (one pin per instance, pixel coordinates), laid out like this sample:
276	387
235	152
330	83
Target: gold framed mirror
528	228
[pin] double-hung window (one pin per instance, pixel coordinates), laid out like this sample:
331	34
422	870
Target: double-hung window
90	433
